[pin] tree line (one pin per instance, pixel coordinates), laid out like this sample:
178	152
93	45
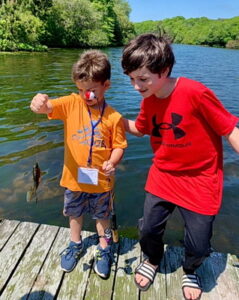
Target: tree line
37	24
195	31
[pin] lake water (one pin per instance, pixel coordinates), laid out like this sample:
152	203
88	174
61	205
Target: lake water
26	137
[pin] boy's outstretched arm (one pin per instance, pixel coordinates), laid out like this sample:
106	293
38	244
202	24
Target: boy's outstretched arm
109	165
233	139
130	127
40	104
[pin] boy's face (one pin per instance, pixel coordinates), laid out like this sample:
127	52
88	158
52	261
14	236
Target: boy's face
146	82
98	88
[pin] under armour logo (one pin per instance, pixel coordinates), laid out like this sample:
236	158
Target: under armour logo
176	119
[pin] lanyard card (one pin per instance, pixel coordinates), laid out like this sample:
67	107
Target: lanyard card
88	175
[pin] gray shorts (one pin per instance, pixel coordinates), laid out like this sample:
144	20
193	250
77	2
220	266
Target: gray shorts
98	205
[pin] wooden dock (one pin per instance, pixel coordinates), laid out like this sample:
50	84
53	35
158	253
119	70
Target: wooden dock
30	269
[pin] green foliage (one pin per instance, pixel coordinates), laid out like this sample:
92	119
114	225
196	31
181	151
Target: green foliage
19	29
194	31
124	29
29	24
69	22
146	27
233	44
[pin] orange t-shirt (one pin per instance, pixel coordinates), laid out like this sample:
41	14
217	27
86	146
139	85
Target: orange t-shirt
108	134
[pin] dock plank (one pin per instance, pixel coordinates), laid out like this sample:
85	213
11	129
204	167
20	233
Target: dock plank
229	289
235	263
99	288
208	280
7	228
129	258
26	272
50	276
219	278
173	270
14	249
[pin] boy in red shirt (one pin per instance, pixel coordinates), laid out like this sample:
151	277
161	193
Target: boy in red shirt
185	121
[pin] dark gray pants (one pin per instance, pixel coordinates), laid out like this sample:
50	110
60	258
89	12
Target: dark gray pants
198	232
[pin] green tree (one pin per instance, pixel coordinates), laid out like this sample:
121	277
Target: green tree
195	31
19	29
123	28
71	22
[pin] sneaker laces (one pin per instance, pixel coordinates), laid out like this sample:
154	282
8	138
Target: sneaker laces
104	254
72	250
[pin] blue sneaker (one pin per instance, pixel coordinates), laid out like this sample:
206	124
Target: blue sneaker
103	259
70	256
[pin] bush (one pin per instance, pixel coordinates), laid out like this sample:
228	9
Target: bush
232	44
27	28
6	45
19	30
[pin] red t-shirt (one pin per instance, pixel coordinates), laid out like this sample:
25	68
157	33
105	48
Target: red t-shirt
185	133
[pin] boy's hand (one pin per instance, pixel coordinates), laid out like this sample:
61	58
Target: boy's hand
40	104
108	168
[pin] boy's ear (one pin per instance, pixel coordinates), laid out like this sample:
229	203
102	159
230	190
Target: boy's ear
107	84
164	73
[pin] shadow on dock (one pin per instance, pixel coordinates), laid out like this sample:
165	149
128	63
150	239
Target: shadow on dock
37	295
209	272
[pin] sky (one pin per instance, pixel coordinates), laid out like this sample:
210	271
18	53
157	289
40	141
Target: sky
143	10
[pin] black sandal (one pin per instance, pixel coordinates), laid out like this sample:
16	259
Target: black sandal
192	281
148	272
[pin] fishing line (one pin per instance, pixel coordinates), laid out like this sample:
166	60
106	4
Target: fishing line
36	172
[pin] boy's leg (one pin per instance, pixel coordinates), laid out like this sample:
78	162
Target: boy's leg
198	233
75	228
101	212
71	255
74	207
103	251
156	213
101	226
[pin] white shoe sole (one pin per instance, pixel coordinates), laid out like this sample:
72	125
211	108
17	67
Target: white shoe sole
95	267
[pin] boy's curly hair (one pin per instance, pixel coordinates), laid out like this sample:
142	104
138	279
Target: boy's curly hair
92	65
150	51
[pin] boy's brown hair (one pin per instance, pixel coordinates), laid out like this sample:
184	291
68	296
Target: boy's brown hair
150	51
92	65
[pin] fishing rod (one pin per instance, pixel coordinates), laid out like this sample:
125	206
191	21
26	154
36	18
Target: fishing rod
114	227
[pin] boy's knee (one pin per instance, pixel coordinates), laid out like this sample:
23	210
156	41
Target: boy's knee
149	234
199	252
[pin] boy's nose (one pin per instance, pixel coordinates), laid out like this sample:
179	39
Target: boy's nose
89	95
136	86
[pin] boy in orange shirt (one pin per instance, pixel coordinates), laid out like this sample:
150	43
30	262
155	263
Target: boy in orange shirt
94	139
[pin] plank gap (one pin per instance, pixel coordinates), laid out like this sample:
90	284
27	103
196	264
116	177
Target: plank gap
59	286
